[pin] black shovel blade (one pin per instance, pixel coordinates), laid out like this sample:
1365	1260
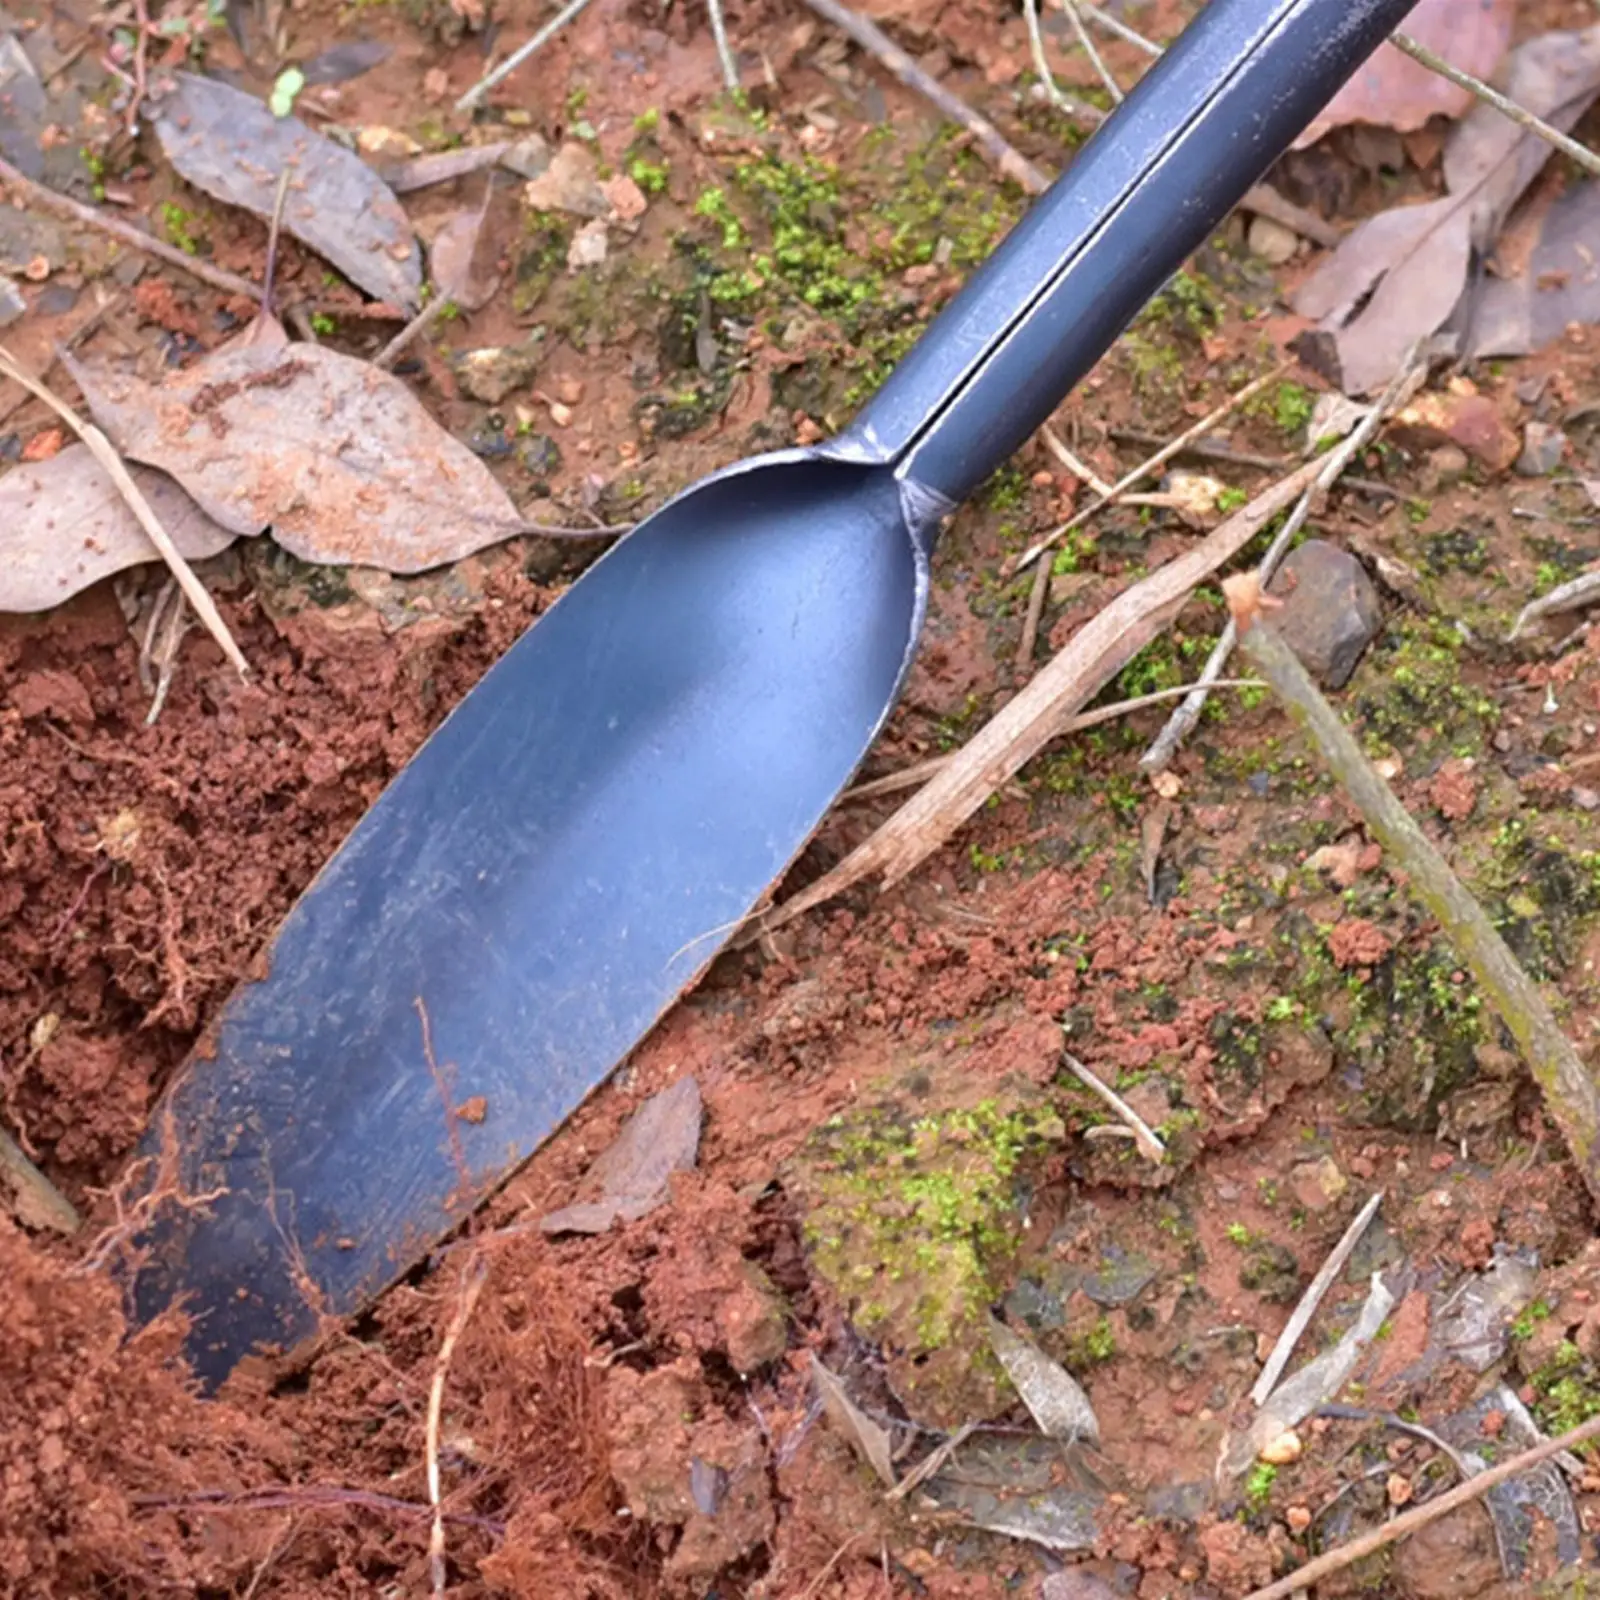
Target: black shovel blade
565	854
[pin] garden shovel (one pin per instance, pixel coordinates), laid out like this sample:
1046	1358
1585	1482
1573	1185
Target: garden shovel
566	854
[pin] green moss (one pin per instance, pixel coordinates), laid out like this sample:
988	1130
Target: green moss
1259	1484
1566	1390
914	1222
651	176
182	228
1530	1319
1292	406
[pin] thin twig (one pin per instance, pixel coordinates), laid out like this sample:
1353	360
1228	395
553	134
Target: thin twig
1144	1136
412	331
1420	1516
933	1462
1009	161
1569	1090
1146	468
914	776
827	1567
1063	102
471	1287
1182	721
273	230
719	33
112	464
48	199
1032	616
1079	469
1523	118
35	1201
1310	1300
1117	26
1113	88
519	55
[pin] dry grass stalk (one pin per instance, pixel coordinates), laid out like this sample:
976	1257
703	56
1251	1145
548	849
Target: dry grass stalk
473	1280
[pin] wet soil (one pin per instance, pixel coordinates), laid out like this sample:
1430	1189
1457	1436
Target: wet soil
632	1414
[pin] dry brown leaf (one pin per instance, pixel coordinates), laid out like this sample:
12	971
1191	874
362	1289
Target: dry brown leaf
1035	716
337	457
1393	91
660	1138
869	1440
1399	275
65	525
1559	283
230	145
456	259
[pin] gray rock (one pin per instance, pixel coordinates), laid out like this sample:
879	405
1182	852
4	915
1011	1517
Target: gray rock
1542	448
1076	1584
1180	1502
12	306
1331	611
1270	240
1120	1277
491	373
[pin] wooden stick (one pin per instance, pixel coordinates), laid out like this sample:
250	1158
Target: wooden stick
1010	162
141	508
1570	1092
1420	1516
1520	115
47	199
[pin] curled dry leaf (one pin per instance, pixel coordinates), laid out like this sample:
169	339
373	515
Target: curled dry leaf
230	145
65	525
1393	91
1558	285
1399	275
660	1138
1054	1398
337	457
867	1438
456	259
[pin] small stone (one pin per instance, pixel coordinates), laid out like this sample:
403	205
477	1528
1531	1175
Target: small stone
1543	445
1284	1450
1585	799
1470	421
589	246
1330	613
1074	1583
491	373
12	305
1318	1184
539	456
570	183
1298	1518
386	143
626	197
751	1322
528	156
560	415
569	391
488	440
1447	465
1398	1489
1270	240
